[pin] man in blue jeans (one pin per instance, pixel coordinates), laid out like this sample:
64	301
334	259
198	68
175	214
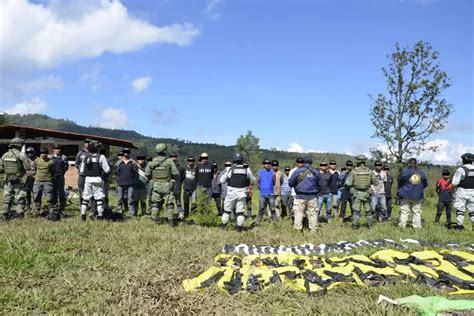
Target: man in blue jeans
265	183
126	173
324	194
379	205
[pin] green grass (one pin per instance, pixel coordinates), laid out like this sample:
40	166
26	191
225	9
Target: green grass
137	266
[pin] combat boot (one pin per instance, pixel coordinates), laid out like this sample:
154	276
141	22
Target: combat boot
83	217
239	229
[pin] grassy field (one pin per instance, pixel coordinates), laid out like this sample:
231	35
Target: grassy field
137	266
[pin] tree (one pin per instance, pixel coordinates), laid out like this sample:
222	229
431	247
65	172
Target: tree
413	108
248	146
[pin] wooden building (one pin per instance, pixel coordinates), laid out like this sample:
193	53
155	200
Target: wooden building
70	143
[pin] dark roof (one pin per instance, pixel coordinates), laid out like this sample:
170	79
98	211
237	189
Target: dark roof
8	131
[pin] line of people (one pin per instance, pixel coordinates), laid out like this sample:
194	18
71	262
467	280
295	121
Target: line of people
298	192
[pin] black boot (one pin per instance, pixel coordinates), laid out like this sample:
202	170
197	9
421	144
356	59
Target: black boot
83	217
239	229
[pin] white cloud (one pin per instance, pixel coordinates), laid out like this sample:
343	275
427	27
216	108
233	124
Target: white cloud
43	84
91	76
33	106
141	84
114	118
295	148
211	10
57	34
447	154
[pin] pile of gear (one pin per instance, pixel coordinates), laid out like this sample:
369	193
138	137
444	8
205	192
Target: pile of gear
340	247
447	269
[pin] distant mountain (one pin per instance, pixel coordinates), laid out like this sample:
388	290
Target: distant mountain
218	153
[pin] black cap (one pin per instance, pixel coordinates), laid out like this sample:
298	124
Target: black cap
349	163
173	155
141	157
299	160
44	150
275	163
412	160
446	172
214	164
287	168
191	159
57	146
468	157
308	159
266	162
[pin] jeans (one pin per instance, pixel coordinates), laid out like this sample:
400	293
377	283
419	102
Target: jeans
263	202
325	199
388	201
344	201
189	197
59	193
217	198
379	200
441	206
125	192
286	205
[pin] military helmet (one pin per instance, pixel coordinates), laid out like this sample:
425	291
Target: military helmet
160	148
361	158
17	142
238	157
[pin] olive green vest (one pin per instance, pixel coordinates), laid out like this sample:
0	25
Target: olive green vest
12	164
161	171
361	178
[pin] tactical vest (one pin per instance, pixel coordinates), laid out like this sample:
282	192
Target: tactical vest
468	181
12	165
238	178
59	166
92	169
161	172
361	178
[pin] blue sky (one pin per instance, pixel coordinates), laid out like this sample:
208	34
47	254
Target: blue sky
296	73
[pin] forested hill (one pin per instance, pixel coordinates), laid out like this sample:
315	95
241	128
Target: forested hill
218	153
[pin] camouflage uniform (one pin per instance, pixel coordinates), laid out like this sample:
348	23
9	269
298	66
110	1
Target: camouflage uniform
359	182
14	166
162	170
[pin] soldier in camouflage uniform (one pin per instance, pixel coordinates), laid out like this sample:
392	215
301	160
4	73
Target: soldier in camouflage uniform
162	170
14	165
359	183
